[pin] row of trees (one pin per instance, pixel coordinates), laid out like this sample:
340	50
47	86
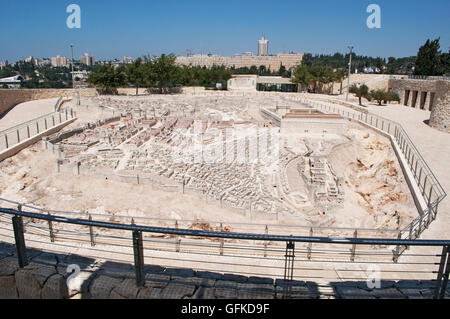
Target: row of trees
315	78
156	73
378	95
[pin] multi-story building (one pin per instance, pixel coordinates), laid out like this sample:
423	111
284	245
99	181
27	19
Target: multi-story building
272	62
32	59
59	61
43	62
3	64
263	47
87	59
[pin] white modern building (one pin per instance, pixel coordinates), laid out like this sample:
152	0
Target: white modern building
263	47
11	82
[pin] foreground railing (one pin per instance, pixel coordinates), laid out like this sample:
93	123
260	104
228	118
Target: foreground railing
290	243
430	188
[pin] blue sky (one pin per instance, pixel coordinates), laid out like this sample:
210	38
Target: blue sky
114	28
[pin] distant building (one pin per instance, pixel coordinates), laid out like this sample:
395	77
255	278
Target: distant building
253	83
272	62
11	82
3	64
127	60
59	61
44	62
263	47
32	60
87	60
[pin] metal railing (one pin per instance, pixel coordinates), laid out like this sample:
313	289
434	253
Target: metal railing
289	241
19	133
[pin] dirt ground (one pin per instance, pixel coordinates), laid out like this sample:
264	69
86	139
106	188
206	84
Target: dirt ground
376	194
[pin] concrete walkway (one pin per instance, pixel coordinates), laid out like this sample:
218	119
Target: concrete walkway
27	111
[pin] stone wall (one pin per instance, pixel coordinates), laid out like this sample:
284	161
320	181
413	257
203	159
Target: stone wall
440	115
46	277
419	94
11	97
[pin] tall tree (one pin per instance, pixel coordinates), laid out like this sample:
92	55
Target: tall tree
136	74
302	76
108	79
428	61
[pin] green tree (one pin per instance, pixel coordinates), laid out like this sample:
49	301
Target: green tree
428	61
136	74
382	96
360	92
302	76
107	79
162	72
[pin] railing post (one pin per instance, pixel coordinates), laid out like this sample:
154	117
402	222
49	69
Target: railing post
138	248
28	131
6	140
289	269
265	243
309	248
221	248
17	222
18	136
397	249
444	270
352	258
419	231
37	127
91	232
50	229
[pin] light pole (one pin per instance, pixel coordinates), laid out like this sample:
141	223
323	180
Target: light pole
349	69
73	81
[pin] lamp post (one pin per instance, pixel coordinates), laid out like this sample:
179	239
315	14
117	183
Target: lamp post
349	69
73	80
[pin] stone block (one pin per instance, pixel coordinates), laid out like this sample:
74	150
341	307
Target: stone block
388	293
102	286
180	272
55	288
8	266
205	282
177	291
28	286
353	293
209	275
127	289
260	280
156	280
149	293
236	278
8	289
42	273
204	293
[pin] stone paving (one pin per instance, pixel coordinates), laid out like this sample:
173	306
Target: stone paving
46	277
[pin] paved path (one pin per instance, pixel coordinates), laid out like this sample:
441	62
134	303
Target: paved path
27	111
